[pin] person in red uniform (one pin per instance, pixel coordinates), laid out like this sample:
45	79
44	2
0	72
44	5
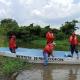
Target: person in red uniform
12	43
73	40
50	36
47	52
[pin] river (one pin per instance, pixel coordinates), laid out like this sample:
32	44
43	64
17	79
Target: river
51	72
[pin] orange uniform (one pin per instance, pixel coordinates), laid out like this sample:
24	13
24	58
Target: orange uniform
73	44
73	40
12	42
49	48
49	37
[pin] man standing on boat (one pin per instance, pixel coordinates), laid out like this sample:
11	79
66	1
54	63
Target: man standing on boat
73	40
12	43
50	36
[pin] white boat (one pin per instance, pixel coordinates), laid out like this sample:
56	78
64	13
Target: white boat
36	56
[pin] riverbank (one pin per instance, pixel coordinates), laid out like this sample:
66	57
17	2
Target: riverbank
11	67
61	45
8	66
40	72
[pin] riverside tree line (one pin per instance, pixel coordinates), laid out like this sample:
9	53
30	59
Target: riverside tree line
32	32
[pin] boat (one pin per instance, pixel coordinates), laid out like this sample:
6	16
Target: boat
36	56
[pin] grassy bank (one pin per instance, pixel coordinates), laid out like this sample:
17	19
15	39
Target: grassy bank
62	45
40	43
3	41
10	65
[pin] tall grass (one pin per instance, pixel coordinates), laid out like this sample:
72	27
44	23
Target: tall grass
10	65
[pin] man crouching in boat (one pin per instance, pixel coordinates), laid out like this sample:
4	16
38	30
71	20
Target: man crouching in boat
47	52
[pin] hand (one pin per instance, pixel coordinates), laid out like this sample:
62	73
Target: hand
79	44
54	43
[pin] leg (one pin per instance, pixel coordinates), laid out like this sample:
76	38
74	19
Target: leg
14	50
72	49
45	54
76	50
11	50
52	55
49	55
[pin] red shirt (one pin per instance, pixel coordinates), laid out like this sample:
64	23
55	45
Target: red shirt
73	40
49	48
12	42
49	37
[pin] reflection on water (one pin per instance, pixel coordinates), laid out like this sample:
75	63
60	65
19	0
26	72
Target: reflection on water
47	73
51	72
73	75
30	75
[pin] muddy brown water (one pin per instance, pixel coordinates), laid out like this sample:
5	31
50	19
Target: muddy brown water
50	72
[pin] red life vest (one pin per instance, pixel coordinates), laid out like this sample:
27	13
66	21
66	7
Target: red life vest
73	40
49	48
49	37
12	42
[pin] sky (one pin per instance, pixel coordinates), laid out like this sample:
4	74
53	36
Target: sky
42	12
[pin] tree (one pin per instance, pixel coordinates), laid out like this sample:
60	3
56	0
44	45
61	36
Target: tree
60	36
8	25
55	31
37	30
69	27
47	27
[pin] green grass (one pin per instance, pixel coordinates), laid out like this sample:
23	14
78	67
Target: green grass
3	41
61	45
10	65
39	43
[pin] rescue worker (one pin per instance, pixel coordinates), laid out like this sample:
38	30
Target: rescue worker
73	40
47	52
12	43
50	36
